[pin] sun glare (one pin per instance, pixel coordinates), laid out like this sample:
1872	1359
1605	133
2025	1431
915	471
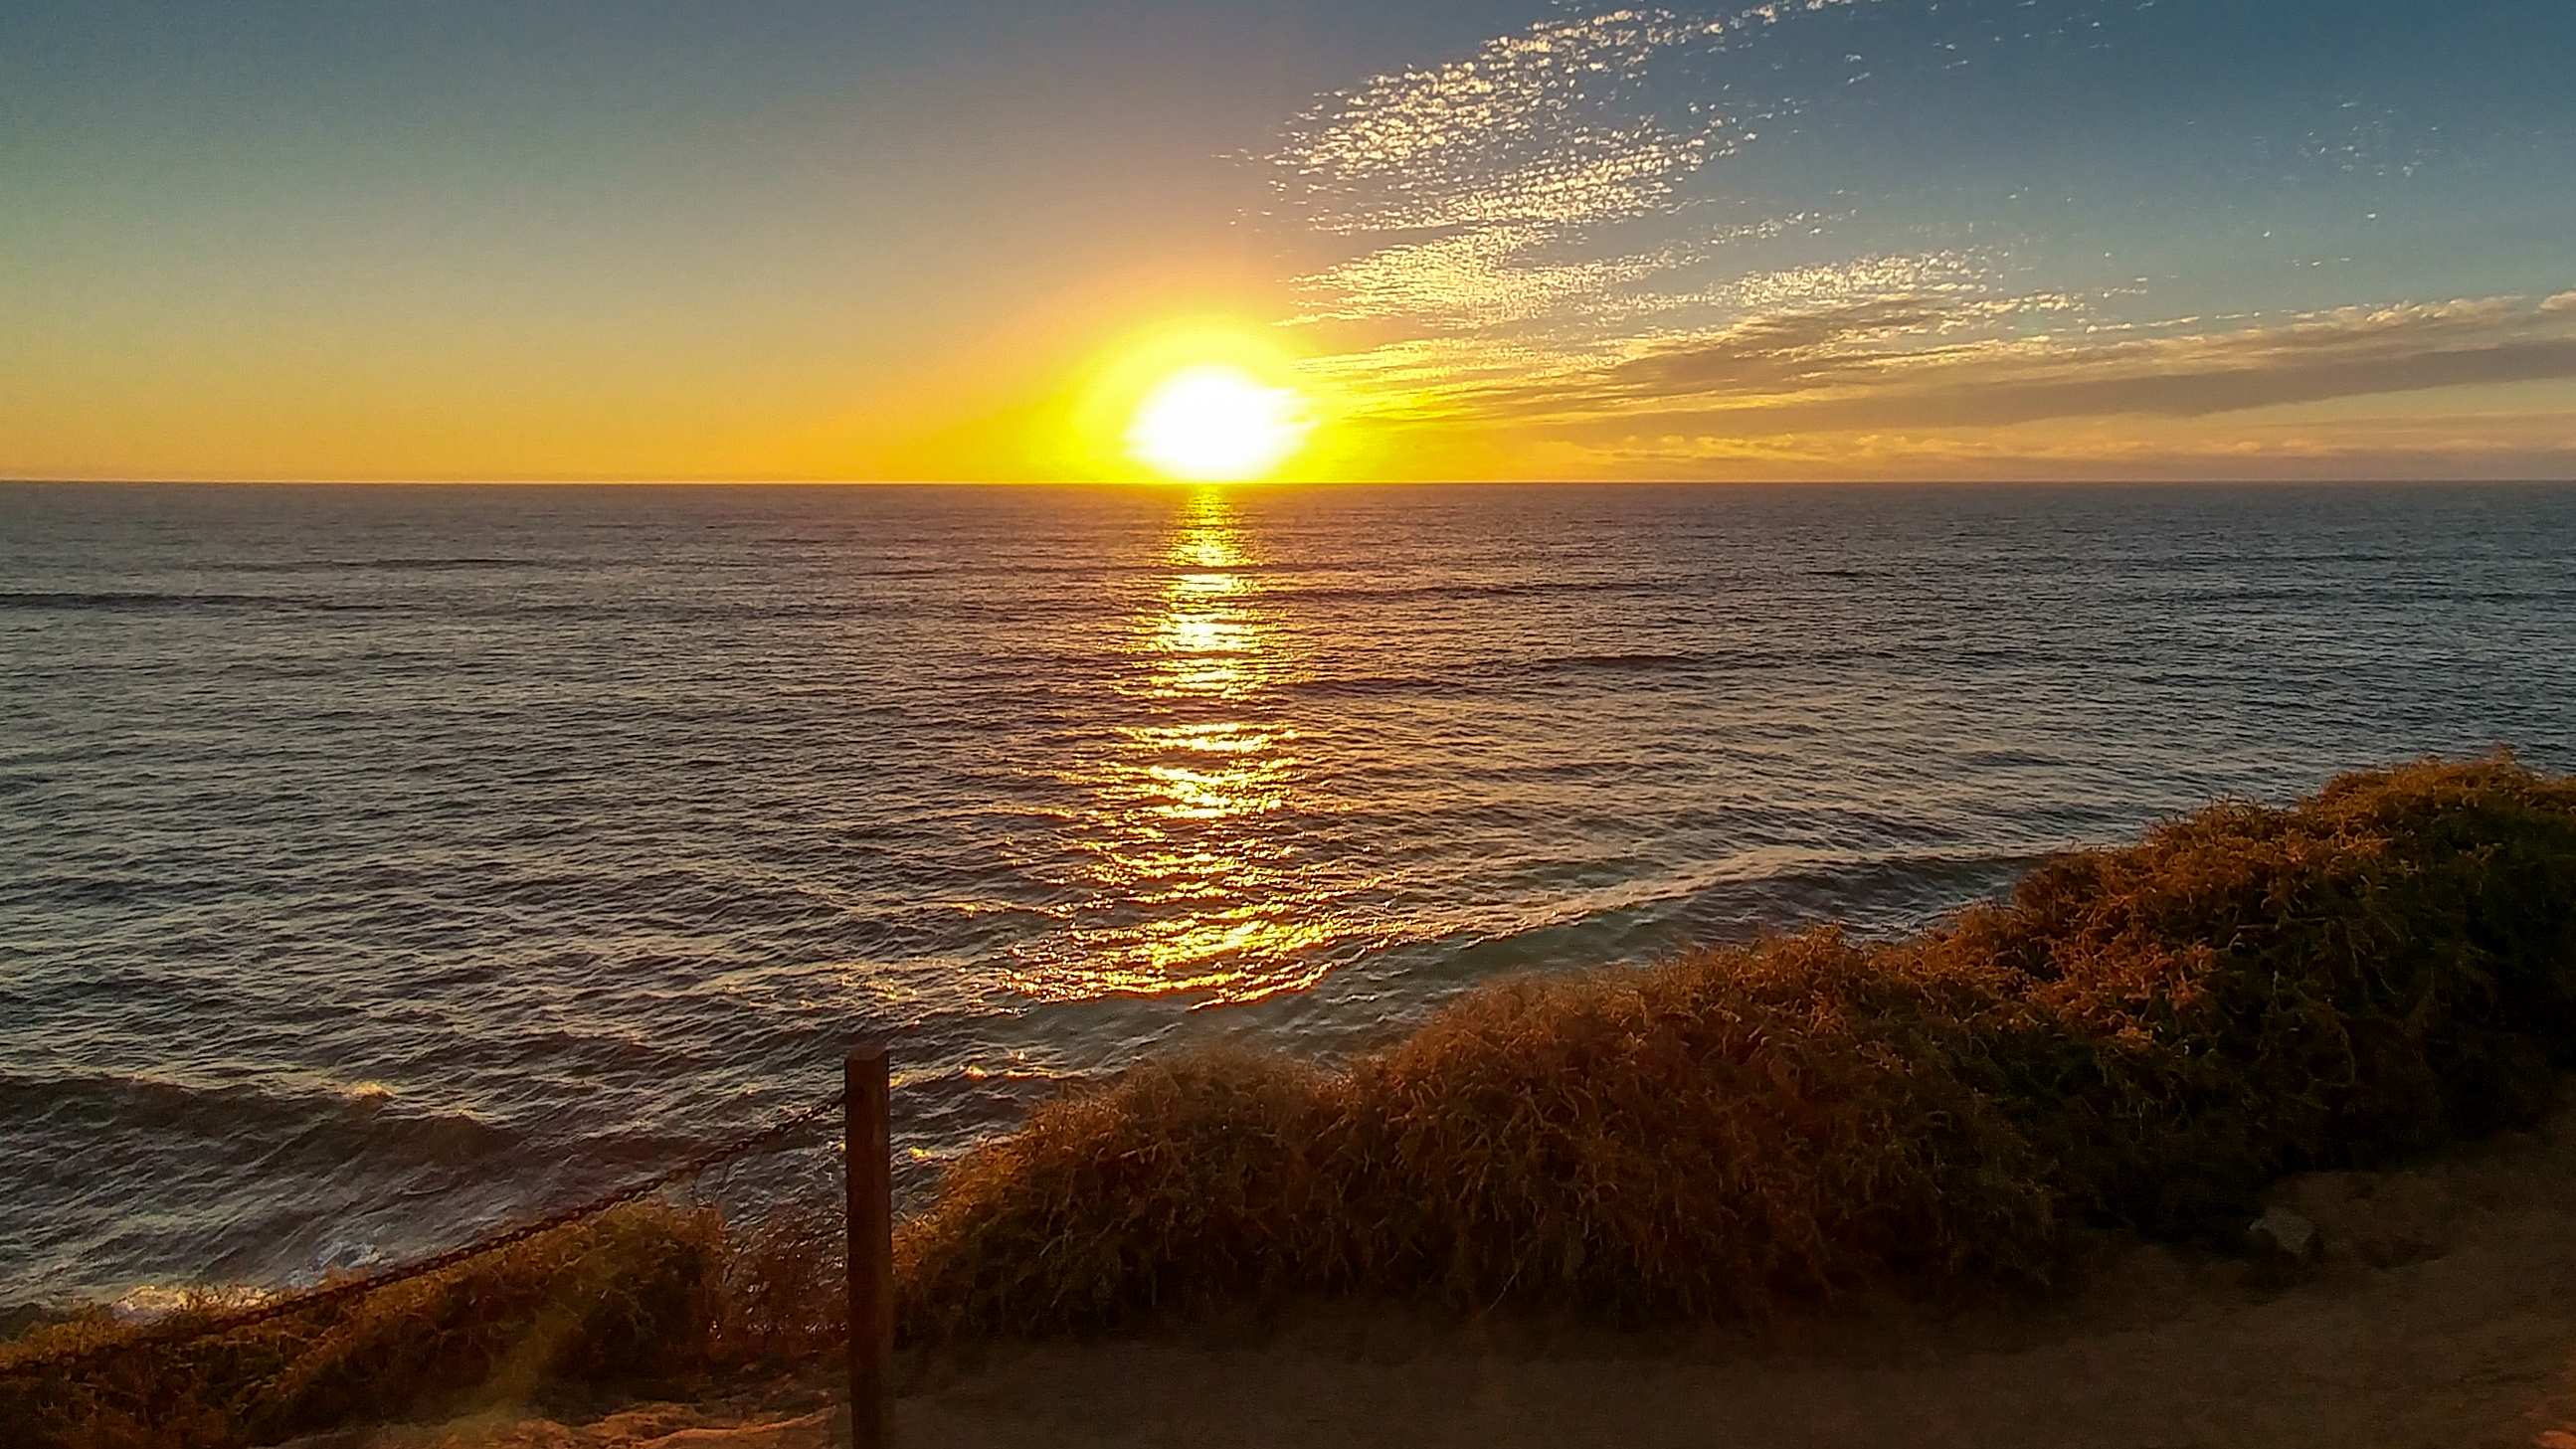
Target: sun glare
1215	423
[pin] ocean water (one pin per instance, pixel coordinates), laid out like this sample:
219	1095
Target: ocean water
379	864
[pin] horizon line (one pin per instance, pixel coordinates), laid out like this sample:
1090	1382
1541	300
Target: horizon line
709	481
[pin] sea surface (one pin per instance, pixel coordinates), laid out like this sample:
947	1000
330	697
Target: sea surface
380	864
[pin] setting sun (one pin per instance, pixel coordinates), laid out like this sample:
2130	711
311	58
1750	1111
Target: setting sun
1214	423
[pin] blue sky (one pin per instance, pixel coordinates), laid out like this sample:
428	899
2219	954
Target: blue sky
1827	238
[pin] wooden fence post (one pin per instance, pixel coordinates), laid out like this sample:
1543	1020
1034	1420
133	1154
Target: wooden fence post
868	1174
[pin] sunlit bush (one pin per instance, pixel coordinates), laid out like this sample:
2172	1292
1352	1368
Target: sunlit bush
642	1296
2142	1035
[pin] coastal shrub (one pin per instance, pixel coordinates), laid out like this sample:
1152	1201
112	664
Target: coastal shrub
2387	966
2142	1035
1679	1139
631	1297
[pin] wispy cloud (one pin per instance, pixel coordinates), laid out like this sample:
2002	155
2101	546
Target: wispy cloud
1483	203
1879	364
1553	126
1872	383
1575	236
2472	443
1476	193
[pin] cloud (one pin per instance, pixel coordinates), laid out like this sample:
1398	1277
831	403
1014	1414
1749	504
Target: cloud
1617	345
1631	234
2309	456
1778	351
1880	363
1475	192
1466	280
1548	126
1530	196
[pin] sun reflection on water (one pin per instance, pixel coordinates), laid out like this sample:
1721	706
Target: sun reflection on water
1184	884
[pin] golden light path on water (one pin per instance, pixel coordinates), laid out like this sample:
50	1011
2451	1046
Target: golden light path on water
1186	889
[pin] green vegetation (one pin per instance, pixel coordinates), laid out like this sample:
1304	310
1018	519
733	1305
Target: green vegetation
2141	1036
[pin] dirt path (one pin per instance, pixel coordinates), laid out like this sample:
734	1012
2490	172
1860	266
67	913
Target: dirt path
2444	1314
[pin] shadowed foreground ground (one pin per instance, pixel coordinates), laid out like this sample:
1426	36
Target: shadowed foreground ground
2444	1313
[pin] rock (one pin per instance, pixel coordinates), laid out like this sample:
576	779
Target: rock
2377	1219
2284	1235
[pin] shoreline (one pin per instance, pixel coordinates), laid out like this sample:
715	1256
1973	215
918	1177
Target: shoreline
2248	1008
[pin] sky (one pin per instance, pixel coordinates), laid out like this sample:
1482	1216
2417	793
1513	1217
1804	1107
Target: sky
787	239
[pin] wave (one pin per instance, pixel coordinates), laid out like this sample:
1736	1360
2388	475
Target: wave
1335	593
326	1125
1874	894
2325	591
74	600
1476	675
425	564
1884	892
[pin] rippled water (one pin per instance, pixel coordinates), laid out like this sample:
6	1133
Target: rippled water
375	864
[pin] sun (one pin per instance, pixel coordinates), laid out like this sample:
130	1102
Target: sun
1213	422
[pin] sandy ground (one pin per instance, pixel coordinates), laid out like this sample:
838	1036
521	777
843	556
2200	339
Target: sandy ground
2443	1312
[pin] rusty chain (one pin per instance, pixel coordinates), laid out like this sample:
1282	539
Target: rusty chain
181	1329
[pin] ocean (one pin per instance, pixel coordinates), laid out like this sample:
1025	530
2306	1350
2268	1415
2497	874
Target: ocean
381	864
